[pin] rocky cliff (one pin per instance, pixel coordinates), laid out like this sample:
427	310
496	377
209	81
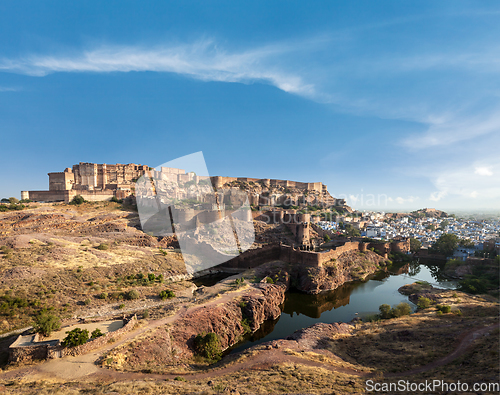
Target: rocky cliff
170	346
350	266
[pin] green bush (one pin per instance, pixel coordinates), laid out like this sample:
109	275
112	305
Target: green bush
445	309
423	302
96	333
385	311
46	323
103	246
401	310
76	337
269	280
122	306
132	294
103	295
151	277
472	285
166	294
208	346
245	323
77	200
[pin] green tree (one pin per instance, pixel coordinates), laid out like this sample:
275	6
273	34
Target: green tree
76	337
446	244
208	346
401	310
423	302
385	311
326	238
443	224
77	200
96	333
166	294
467	243
415	245
132	294
46	323
13	200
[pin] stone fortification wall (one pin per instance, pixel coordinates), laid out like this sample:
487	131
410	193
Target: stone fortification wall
28	353
258	256
96	343
53	349
255	257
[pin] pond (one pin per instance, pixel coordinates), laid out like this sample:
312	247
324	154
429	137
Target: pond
354	299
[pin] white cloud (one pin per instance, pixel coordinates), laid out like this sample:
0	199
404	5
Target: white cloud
8	89
483	171
202	60
448	130
409	199
469	182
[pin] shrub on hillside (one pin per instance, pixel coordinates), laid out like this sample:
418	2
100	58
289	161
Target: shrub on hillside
96	333
132	294
423	302
46	323
77	200
76	337
400	310
166	294
385	311
208	346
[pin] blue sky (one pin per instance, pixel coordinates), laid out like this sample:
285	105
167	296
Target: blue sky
394	105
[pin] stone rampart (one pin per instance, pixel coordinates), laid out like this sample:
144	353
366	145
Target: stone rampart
255	257
95	343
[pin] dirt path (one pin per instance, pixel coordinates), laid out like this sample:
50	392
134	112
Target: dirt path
84	365
77	367
467	340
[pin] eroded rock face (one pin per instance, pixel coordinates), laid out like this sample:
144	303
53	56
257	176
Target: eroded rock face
225	320
350	266
266	307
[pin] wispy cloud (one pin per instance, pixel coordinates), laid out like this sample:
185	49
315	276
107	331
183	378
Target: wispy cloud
450	130
479	180
203	60
9	89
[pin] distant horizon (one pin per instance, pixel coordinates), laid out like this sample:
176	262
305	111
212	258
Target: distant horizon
387	209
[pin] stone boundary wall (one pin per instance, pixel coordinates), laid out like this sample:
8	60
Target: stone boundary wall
258	256
28	353
255	257
93	344
53	349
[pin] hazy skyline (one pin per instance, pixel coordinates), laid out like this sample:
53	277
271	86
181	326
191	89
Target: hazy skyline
391	102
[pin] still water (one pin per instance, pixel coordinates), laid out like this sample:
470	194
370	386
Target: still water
355	299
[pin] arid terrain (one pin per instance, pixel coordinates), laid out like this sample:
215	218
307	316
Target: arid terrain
82	262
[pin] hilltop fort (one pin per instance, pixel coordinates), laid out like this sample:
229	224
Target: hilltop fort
99	182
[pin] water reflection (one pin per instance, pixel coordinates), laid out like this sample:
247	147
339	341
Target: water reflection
355	299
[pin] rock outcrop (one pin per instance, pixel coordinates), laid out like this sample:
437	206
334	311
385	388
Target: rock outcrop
226	320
